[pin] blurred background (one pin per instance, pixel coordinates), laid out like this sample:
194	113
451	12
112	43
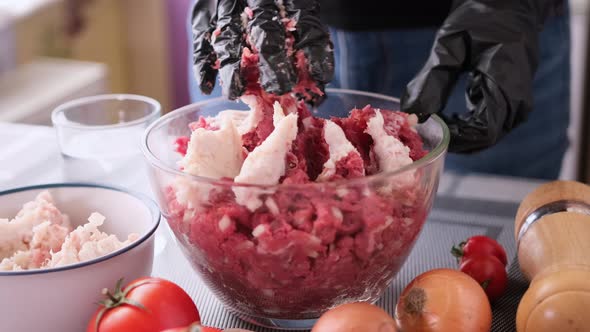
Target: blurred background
52	51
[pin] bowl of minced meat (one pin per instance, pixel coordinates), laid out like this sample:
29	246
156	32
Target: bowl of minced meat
285	210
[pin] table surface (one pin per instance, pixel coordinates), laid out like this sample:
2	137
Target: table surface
37	152
465	205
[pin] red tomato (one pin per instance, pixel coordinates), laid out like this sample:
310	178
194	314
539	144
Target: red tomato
146	304
489	272
479	245
195	327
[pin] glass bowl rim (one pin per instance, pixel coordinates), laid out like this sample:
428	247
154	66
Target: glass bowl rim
429	158
156	109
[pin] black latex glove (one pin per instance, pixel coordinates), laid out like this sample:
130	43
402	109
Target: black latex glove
267	35
496	42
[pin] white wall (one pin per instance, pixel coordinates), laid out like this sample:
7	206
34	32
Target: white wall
580	10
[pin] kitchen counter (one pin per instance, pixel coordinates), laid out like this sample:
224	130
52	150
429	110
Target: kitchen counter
465	205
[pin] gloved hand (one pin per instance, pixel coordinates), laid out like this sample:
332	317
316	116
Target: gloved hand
495	41
267	35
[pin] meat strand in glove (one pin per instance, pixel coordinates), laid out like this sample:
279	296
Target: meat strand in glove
495	41
292	49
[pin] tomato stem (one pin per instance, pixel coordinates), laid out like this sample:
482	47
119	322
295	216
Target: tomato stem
110	296
457	251
117	298
486	283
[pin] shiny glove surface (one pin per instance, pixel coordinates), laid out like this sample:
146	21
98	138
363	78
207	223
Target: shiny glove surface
495	42
221	29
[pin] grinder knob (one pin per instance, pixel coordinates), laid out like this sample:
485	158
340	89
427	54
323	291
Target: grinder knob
552	232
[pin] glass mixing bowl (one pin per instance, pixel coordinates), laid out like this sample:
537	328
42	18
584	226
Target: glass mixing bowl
308	247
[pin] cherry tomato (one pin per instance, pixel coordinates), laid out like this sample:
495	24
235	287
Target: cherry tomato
194	327
146	304
489	272
479	245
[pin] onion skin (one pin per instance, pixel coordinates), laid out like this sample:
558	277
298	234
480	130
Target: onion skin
443	300
355	317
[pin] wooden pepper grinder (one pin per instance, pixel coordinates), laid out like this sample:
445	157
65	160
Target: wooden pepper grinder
552	232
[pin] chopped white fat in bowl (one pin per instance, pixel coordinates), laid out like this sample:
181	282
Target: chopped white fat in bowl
61	244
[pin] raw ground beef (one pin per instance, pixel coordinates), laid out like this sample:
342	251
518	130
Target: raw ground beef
302	254
305	250
297	251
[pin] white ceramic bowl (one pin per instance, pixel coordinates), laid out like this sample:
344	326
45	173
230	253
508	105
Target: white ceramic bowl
64	299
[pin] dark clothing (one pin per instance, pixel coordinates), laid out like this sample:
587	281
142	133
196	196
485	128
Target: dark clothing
361	15
371	14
